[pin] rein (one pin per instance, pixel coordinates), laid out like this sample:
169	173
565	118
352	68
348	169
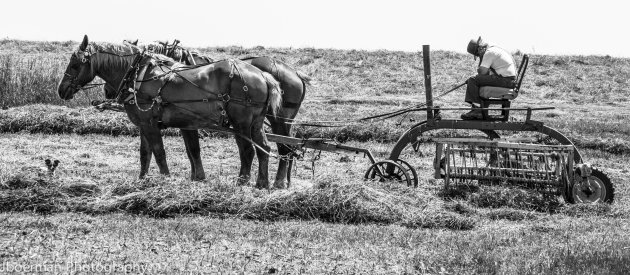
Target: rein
75	86
379	117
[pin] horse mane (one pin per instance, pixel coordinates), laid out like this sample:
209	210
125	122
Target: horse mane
112	55
159	48
154	47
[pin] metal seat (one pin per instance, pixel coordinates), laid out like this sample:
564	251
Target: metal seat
490	92
491	95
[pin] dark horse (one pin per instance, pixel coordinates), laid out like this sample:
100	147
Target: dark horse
292	82
168	94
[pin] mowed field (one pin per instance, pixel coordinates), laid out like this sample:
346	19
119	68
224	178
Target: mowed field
94	213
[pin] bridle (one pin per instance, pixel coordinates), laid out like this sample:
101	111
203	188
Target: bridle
73	78
86	59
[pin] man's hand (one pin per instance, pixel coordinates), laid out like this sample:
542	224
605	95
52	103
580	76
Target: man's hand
483	70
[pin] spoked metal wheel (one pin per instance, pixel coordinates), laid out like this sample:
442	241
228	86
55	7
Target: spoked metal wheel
596	188
378	171
410	171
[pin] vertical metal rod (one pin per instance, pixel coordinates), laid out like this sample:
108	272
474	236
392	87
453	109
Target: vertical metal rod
439	147
447	164
426	58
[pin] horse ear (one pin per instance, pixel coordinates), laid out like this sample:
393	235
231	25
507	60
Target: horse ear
84	43
133	42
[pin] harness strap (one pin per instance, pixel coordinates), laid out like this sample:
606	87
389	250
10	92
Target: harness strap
129	76
290	104
140	76
135	97
223	97
190	58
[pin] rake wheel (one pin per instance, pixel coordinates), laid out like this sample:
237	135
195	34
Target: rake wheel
410	171
597	188
380	168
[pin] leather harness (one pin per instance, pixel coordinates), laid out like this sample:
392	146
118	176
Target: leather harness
129	90
187	57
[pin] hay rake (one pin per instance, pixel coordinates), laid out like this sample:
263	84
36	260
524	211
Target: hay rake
546	168
552	169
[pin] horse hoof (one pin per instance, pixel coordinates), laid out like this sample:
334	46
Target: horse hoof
262	184
242	182
280	185
198	178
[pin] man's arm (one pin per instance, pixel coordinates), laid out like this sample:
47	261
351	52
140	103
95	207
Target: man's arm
483	70
486	63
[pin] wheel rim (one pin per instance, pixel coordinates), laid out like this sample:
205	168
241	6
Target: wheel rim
411	172
379	170
591	190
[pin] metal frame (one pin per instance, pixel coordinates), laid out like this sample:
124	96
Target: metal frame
457	153
319	144
434	121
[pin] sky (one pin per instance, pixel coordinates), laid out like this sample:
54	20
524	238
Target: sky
531	26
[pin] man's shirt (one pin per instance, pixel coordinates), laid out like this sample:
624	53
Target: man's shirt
499	60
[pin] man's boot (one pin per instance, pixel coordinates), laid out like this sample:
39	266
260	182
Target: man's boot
474	114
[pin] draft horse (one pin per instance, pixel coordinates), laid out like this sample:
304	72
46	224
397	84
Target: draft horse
159	93
292	82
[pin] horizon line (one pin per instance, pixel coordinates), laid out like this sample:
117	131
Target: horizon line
516	51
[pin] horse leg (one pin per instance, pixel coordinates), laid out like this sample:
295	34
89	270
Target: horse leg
154	139
191	141
258	136
246	153
145	155
279	127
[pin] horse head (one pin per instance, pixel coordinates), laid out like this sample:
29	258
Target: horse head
78	72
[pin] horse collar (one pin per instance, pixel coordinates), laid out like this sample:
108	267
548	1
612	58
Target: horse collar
140	76
137	83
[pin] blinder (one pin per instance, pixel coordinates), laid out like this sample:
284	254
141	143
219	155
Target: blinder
84	57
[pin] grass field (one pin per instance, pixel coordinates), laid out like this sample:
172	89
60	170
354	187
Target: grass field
94	212
485	232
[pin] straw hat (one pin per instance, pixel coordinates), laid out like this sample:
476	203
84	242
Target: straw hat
473	46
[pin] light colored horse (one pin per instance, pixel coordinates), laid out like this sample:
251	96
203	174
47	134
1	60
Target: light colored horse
168	94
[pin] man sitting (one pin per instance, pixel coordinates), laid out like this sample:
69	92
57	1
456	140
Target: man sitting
496	68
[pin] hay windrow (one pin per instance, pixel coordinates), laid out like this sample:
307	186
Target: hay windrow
352	203
54	119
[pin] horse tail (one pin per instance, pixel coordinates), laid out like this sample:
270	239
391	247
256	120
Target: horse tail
275	93
305	78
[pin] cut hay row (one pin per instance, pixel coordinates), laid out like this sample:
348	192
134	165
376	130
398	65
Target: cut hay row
328	201
352	203
51	119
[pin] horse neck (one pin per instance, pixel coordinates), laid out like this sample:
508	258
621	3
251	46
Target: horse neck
111	68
